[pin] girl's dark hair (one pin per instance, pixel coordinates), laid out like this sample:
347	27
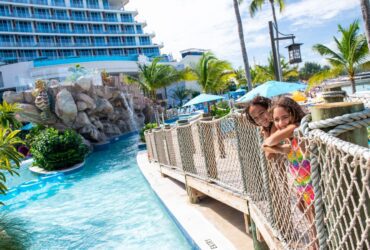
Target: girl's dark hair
258	100
291	106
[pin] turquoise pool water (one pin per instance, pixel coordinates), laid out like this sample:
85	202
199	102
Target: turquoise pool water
107	205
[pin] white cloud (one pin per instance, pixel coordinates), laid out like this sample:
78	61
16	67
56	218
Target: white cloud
211	24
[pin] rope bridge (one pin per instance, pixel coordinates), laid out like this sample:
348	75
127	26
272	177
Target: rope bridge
227	153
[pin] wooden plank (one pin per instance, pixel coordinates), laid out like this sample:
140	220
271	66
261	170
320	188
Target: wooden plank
264	229
223	195
173	173
247	222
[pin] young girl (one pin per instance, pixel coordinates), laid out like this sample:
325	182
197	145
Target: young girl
257	113
287	113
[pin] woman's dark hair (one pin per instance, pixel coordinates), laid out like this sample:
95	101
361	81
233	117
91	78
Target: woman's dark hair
291	106
258	100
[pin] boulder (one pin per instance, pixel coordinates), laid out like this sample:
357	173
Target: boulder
13	97
82	120
84	82
81	106
29	113
28	97
108	92
98	124
87	99
111	129
65	107
91	133
53	83
103	107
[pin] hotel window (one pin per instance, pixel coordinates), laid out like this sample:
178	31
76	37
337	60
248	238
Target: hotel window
80	28
78	15
129	29
62	27
4	10
5	25
66	53
43	27
95	16
101	52
77	3
26	40
27	54
105	4
49	54
6	39
21	12
131	51
139	29
46	40
65	41
23	26
92	4
112	28
126	18
8	54
114	41
129	40
82	41
116	52
60	14
84	52
41	13
144	40
100	41
58	3
110	17
97	28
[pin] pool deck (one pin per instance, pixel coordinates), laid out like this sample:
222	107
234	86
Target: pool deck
210	224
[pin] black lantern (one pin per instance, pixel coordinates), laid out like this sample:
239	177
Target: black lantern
294	53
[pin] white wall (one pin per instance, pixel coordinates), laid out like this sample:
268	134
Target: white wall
16	74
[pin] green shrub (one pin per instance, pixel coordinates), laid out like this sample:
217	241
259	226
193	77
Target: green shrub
146	127
32	133
219	112
53	150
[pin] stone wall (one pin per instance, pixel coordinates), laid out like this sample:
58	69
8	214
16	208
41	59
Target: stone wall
97	112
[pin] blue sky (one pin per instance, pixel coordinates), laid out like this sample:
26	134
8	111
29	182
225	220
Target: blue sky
211	24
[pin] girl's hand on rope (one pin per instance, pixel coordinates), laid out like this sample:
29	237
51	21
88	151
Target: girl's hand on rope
279	136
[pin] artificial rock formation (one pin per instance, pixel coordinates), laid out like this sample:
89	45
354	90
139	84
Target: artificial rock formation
97	112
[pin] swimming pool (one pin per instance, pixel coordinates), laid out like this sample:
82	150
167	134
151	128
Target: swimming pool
107	205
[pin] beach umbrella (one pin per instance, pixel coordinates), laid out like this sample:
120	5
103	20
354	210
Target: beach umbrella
271	89
203	98
28	126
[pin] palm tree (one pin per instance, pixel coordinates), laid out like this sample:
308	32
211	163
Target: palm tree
212	74
154	76
256	5
242	43
352	51
181	93
266	73
365	8
10	158
321	76
7	115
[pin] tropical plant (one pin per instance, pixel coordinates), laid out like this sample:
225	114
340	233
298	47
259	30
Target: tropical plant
13	235
309	69
7	115
256	5
213	75
180	94
323	75
247	72
240	78
352	51
76	72
145	128
10	158
53	150
267	72
365	8
33	133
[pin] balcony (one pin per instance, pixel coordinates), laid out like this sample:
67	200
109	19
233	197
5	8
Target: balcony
129	43
58	3
41	16
145	43
21	14
82	44
93	6
59	30
7	44
26	44
61	17
41	2
46	44
5	28
110	19
43	30
99	44
128	32
77	5
113	32
115	44
97	31
81	31
79	18
23	29
4	13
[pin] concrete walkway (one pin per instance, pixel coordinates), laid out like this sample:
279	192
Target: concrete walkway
210	224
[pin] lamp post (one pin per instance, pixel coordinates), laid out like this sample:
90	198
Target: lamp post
294	50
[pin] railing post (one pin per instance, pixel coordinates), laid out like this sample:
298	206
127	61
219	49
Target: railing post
169	146
186	145
207	144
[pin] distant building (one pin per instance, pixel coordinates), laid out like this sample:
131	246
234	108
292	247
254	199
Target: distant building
42	38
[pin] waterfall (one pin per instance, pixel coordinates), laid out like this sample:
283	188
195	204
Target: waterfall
130	108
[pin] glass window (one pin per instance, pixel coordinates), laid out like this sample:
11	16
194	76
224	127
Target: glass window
101	52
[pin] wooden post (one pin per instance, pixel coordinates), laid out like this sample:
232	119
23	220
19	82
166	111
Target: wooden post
206	141
220	141
330	110
186	145
258	242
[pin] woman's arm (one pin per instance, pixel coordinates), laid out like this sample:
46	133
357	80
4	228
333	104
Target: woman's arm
279	135
283	149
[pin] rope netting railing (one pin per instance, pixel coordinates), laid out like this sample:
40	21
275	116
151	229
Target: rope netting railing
315	197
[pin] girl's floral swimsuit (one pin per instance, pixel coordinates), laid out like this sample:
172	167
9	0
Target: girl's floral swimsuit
300	169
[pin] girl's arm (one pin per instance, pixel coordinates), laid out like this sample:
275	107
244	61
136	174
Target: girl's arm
279	135
283	149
